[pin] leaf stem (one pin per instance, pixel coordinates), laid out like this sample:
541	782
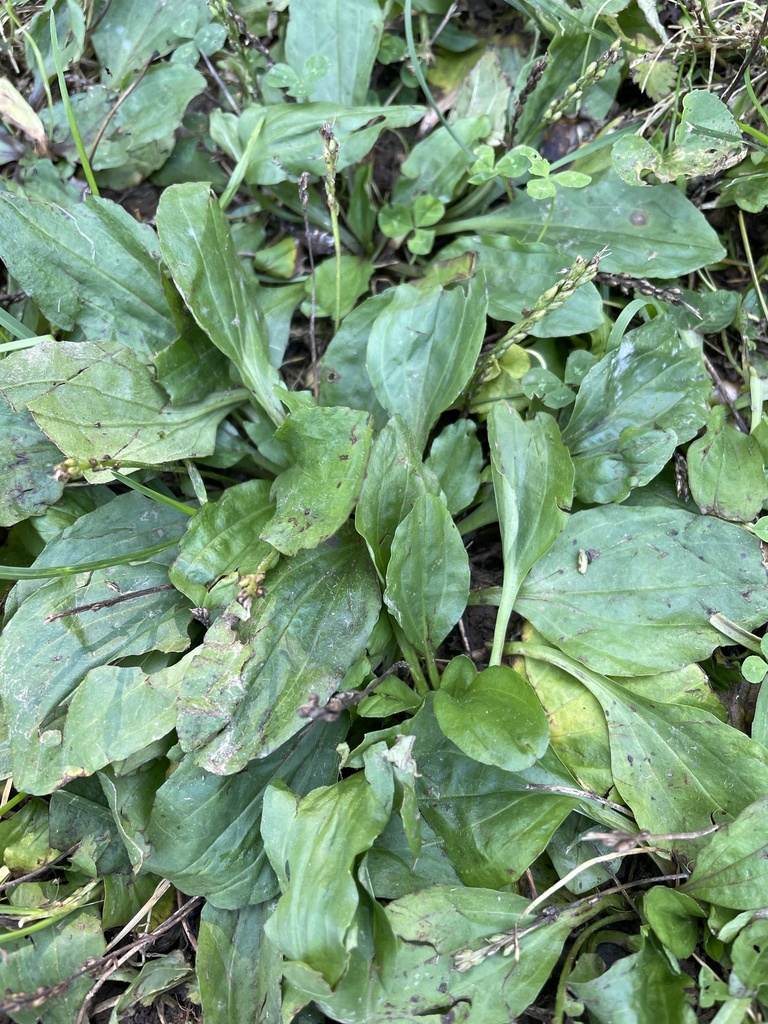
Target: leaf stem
79	144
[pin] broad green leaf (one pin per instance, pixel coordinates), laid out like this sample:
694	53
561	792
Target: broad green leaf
196	243
42	660
288	140
532	477
677	768
640	988
203	831
316	495
49	957
116	712
347	34
422	349
650	232
354	273
456	459
242	689
126	36
652	579
578	732
238	968
222	537
707	142
732	869
632	410
395	478
344	379
27	458
750	961
497	720
391	868
518	273
92	266
140	136
107	403
435	930
428	574
491	824
436	164
674	918
312	844
725	471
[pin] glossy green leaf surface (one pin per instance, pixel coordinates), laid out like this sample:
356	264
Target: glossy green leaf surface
518	273
633	408
428	573
288	143
197	245
497	720
231	948
203	831
729	870
422	349
650	232
316	495
395	478
313	919
221	538
532	477
347	34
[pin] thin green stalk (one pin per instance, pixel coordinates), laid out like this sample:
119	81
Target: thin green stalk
154	495
410	655
752	269
39	62
548	221
414	58
237	176
70	113
49	572
10	804
14	326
